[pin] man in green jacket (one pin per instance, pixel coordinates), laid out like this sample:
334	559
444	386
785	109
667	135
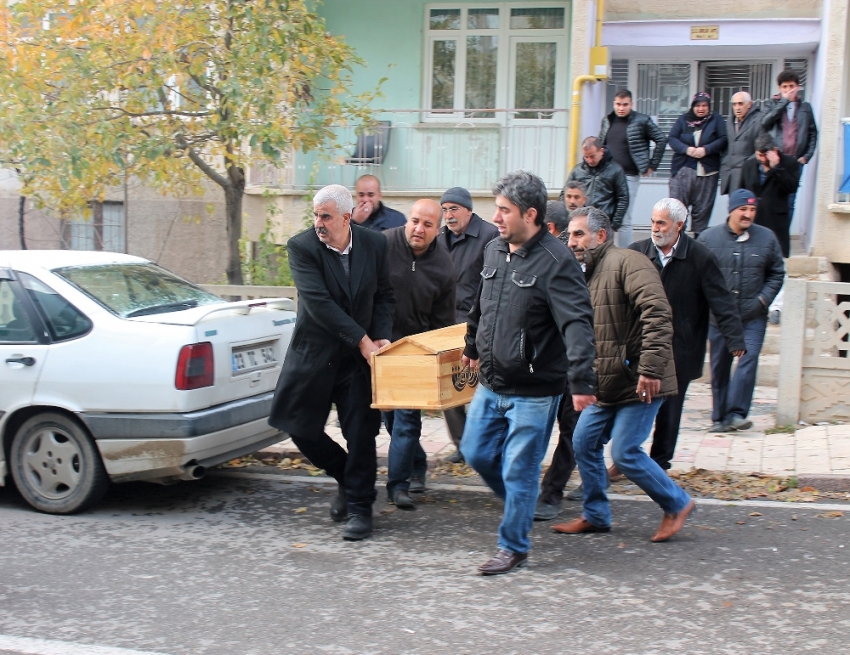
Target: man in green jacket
633	325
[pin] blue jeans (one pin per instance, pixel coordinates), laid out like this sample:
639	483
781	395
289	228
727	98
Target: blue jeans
627	427
733	394
505	440
406	455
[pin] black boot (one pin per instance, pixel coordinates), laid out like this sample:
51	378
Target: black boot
358	527
339	508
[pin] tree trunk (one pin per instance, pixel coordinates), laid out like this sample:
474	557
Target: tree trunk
233	211
22	206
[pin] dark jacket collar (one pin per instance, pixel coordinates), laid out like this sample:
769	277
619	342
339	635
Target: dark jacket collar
595	255
607	157
681	251
473	229
525	248
630	118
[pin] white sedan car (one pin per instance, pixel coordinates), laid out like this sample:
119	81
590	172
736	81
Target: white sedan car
112	368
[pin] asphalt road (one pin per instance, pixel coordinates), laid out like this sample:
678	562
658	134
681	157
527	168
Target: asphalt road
250	565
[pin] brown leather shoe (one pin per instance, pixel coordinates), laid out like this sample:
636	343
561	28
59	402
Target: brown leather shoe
578	526
672	523
502	562
614	474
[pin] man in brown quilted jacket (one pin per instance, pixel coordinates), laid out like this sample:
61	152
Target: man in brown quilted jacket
633	324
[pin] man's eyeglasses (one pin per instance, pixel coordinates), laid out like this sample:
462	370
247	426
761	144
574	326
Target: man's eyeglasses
450	210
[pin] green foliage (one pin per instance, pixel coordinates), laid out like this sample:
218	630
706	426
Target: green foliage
268	265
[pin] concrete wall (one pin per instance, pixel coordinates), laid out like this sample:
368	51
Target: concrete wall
179	233
666	10
832	221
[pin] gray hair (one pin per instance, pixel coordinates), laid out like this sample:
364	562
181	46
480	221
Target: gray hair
747	96
575	184
674	208
338	195
596	219
556	213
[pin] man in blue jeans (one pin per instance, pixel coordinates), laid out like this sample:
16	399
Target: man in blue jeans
529	329
751	260
424	282
634	361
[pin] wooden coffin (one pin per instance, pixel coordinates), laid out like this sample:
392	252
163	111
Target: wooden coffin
423	371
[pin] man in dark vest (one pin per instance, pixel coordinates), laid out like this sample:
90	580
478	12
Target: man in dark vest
345	310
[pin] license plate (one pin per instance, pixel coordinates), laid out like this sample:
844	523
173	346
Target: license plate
251	358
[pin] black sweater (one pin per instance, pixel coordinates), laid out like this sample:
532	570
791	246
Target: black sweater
424	286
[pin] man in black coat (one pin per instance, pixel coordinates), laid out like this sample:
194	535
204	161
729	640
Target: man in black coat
345	309
423	280
603	178
772	177
695	287
464	235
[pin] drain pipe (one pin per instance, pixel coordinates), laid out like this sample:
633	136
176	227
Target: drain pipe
599	66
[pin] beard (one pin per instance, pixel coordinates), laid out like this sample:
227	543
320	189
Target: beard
662	240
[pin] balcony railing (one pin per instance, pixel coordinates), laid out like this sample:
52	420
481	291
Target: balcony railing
448	150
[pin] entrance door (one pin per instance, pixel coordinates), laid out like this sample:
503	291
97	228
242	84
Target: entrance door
724	79
536	139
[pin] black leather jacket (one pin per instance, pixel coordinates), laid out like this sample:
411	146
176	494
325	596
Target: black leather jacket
640	131
607	188
807	130
530	303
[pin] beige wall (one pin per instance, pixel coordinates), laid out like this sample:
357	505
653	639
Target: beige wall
181	234
832	221
726	9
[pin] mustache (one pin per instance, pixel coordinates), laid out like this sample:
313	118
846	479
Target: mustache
322	231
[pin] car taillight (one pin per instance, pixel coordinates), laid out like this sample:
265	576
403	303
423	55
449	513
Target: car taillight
195	367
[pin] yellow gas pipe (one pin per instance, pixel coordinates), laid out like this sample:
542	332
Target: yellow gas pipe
597	54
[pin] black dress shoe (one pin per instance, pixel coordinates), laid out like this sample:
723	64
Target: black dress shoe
417	484
358	527
339	507
454	458
402	499
502	562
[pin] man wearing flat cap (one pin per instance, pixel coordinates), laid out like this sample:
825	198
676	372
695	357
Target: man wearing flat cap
751	260
464	234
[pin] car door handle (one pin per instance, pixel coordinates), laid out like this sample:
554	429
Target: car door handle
26	361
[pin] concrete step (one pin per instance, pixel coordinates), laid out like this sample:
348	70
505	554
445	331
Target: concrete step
767	375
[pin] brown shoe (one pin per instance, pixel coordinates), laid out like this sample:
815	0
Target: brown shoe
614	473
672	523
578	526
502	562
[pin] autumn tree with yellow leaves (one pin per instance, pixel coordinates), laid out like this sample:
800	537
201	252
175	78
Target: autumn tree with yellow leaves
166	91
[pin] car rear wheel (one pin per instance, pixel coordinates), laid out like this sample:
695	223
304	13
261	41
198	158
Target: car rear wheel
56	466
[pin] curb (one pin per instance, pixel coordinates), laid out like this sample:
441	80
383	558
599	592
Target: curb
278	453
824	482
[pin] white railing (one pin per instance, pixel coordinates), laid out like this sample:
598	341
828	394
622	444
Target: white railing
814	364
410	153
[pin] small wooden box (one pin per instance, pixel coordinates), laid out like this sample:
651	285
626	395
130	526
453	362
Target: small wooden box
423	371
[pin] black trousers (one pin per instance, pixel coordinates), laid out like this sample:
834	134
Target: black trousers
357	469
564	459
667	423
455	422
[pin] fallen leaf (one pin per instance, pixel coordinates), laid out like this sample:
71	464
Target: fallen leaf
622	545
285	461
755	513
728	603
315	490
830	515
452	500
793	517
807	489
295	462
314	471
741	522
301	510
299	545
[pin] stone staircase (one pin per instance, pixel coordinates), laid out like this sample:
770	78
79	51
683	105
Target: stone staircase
768	371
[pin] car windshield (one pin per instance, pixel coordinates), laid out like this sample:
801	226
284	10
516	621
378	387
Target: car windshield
136	289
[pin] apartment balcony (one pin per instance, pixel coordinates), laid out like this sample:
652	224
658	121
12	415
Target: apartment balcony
422	151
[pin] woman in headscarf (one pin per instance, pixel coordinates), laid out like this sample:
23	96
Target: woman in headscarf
698	141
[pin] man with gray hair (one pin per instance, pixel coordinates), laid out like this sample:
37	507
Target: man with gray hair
345	313
695	289
634	363
744	128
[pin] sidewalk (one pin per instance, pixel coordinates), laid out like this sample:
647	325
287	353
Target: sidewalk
815	453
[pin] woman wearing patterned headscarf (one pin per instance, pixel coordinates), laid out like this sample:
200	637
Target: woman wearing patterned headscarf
698	141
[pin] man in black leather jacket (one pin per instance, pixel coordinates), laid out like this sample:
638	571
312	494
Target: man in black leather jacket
604	179
531	326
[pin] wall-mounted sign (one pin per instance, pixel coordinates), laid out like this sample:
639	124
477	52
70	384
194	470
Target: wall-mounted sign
705	32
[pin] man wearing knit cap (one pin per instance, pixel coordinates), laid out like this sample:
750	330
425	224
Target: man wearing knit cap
464	234
751	260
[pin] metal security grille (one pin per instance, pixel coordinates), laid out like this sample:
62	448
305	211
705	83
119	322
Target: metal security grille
799	66
724	79
619	79
663	92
